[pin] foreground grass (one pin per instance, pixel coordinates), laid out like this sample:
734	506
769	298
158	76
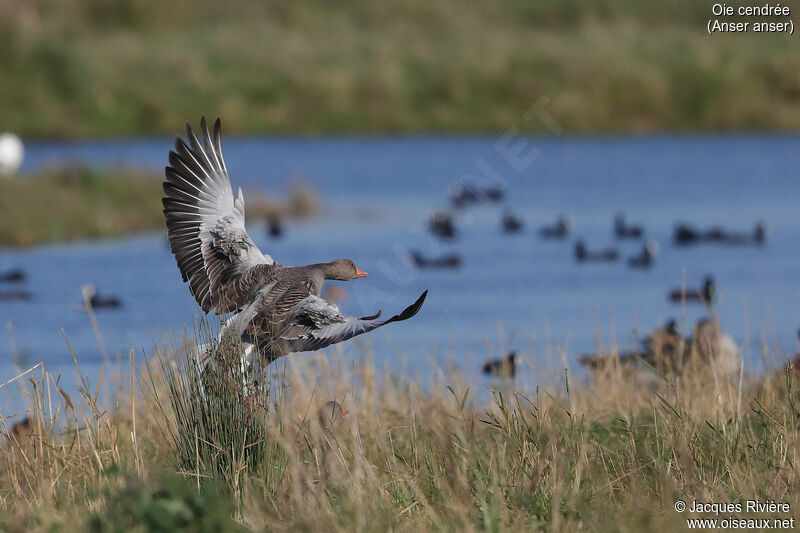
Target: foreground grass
80	202
92	68
609	455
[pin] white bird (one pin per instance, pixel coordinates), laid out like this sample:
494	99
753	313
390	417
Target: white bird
11	154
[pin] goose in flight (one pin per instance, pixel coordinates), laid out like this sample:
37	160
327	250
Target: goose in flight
277	309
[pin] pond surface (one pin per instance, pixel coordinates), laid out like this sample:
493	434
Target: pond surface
512	291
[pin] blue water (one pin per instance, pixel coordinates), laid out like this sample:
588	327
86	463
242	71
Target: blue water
513	291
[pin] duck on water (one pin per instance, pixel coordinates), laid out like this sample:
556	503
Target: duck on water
646	256
511	223
686	234
92	298
15	275
559	230
451	260
584	255
623	230
505	366
705	294
441	225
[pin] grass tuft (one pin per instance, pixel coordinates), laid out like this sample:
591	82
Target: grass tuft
608	454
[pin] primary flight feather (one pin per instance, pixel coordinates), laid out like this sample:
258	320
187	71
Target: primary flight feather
277	308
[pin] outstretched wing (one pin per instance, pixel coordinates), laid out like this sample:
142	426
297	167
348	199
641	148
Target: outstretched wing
205	223
314	324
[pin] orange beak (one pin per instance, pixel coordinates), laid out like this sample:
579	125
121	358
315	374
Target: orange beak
360	273
345	410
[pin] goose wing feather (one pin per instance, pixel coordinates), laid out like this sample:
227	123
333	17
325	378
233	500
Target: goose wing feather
205	222
315	324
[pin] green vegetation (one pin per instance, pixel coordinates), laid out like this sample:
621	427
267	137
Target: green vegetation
93	67
77	202
608	455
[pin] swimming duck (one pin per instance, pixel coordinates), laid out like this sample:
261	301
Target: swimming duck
16	275
757	237
511	222
645	257
705	295
622	230
582	255
96	300
275	227
15	296
445	261
441	224
494	194
462	194
505	366
684	234
559	230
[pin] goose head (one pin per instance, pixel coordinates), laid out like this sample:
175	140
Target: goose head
330	413
343	270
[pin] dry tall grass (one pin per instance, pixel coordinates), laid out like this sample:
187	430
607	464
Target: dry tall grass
607	454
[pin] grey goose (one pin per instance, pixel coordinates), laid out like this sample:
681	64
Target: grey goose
277	309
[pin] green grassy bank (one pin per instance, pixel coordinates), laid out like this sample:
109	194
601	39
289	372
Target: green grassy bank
81	202
68	203
94	68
